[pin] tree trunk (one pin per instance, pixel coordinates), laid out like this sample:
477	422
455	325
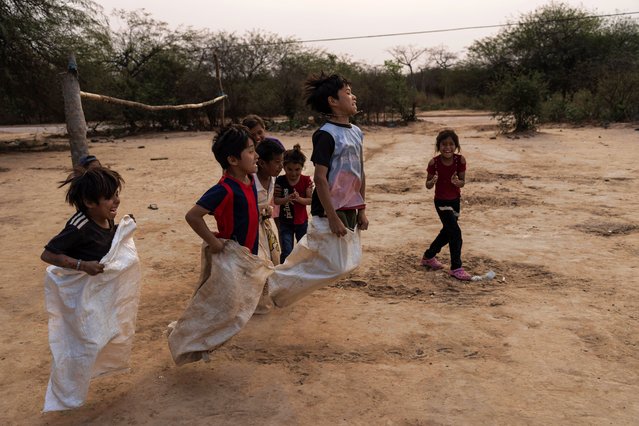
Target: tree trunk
76	124
218	75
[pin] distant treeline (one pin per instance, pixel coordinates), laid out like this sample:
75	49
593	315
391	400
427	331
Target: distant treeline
557	63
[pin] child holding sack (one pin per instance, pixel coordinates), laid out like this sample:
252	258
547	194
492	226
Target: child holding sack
232	275
332	247
91	289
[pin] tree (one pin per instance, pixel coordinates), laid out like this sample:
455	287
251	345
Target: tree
557	41
289	80
442	57
572	52
408	56
518	102
35	38
396	86
147	61
374	92
617	88
443	60
247	62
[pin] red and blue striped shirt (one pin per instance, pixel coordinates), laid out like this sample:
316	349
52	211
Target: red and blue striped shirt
234	206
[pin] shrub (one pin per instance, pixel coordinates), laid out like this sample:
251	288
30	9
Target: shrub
581	108
618	96
517	102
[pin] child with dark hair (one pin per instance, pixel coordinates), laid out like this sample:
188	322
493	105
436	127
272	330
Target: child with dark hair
447	172
87	236
269	167
293	193
233	276
232	201
332	247
257	128
91	289
337	155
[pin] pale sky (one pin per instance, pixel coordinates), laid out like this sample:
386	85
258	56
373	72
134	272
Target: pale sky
319	19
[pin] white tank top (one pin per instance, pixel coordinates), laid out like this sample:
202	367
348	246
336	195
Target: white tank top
345	174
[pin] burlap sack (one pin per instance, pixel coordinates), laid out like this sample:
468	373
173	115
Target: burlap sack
227	294
269	246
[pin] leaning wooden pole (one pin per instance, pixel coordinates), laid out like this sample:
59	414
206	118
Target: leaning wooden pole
218	75
74	115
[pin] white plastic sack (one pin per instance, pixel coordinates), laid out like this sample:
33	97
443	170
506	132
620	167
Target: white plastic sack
91	320
229	289
318	259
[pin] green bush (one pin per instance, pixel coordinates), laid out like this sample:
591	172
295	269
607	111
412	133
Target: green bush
553	109
517	102
581	108
617	96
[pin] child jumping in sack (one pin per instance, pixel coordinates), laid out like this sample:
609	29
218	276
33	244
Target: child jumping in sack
332	247
232	278
233	200
91	289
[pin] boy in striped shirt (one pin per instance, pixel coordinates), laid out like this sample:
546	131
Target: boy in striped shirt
233	200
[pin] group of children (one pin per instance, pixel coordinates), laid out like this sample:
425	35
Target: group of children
251	193
280	197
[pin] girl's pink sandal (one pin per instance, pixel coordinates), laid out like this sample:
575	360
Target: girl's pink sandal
460	274
432	263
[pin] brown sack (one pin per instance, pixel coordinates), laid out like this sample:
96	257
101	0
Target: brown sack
229	289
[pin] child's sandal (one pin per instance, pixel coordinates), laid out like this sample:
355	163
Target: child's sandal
460	274
432	263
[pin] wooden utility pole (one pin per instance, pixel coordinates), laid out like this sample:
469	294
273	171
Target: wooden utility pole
76	124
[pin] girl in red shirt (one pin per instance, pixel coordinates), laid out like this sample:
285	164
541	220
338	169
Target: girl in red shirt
446	172
293	192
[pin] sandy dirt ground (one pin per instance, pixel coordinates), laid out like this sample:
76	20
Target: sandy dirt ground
553	339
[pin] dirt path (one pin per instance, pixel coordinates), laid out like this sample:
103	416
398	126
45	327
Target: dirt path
553	339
